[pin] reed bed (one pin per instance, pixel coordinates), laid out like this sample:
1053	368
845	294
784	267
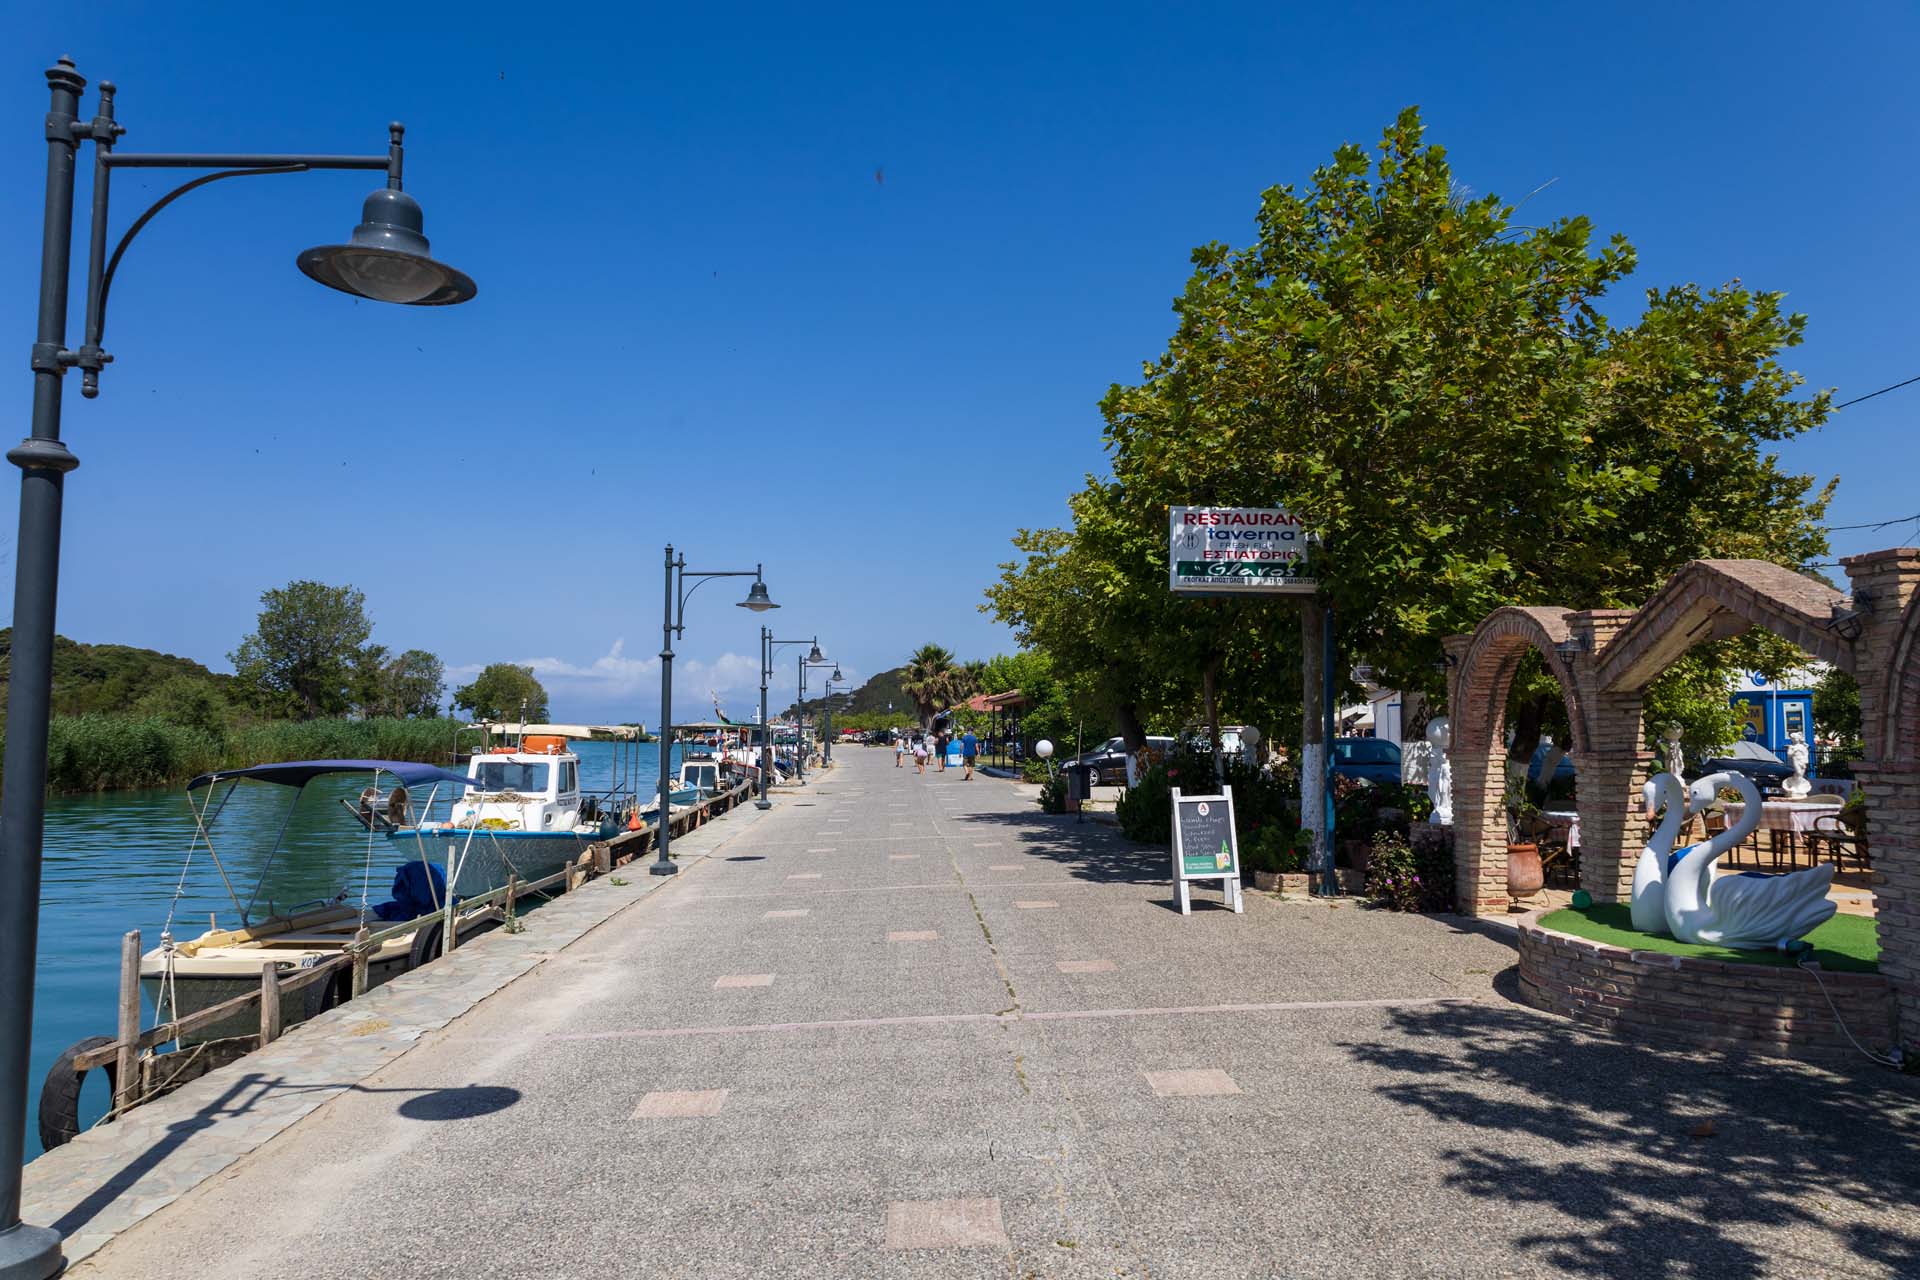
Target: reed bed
108	752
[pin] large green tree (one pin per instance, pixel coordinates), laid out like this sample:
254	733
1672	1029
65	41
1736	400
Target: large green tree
504	691
303	654
405	686
929	681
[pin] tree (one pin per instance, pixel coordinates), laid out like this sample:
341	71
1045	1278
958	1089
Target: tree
189	701
401	687
929	681
503	691
1435	391
303	654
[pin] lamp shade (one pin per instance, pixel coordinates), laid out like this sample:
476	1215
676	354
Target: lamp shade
816	655
757	598
387	258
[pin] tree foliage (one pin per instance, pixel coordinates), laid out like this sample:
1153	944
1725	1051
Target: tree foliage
303	656
503	691
1435	389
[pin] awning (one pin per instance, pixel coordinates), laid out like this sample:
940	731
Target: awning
997	701
298	773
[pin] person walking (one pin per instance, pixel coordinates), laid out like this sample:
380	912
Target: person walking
940	750
899	751
919	755
969	748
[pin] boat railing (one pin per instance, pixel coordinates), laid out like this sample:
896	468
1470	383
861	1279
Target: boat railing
125	1052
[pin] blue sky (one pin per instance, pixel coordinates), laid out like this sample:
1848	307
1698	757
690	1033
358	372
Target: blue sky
833	288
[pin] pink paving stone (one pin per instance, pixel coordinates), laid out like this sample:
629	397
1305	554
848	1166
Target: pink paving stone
1084	966
743	980
946	1224
805	875
827	849
1035	904
785	915
1191	1082
901	857
913	935
680	1104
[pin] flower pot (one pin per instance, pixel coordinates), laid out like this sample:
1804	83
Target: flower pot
1525	875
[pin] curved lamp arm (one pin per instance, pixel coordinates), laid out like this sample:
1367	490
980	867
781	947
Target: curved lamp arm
91	357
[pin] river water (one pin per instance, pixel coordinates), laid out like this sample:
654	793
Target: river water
118	861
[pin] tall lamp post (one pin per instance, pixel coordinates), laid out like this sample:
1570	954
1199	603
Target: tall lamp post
827	702
767	646
672	624
807	663
386	260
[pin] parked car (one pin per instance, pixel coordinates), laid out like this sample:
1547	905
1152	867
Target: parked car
1766	769
1108	761
1371	759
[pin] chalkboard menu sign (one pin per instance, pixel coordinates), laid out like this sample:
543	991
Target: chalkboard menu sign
1206	836
1204	846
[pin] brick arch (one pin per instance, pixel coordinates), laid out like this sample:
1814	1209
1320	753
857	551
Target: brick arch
1716	599
1477	706
1895	735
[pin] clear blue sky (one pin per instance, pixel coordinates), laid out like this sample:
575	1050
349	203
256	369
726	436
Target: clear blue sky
832	287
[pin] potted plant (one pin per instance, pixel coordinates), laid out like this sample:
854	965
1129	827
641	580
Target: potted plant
1525	875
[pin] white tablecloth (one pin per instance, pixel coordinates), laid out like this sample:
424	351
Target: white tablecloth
1786	815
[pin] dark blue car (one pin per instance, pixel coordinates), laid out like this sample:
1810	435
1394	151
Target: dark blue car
1374	759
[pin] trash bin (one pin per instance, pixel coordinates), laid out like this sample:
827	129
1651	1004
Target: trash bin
1079	787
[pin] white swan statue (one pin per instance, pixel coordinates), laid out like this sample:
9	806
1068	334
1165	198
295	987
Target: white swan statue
1747	911
1650	873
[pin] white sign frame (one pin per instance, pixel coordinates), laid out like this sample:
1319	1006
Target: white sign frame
1252	536
1230	879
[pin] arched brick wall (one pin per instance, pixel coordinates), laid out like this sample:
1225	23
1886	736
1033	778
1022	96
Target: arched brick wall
1477	705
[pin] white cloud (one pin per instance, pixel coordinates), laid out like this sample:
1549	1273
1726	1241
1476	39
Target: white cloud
614	676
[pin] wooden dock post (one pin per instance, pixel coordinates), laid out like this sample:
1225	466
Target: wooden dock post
513	892
360	957
269	1003
602	859
126	1079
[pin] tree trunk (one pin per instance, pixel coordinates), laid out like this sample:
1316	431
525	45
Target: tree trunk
1313	731
1131	729
1209	690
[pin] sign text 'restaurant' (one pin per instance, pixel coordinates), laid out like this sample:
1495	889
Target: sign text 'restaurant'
1233	550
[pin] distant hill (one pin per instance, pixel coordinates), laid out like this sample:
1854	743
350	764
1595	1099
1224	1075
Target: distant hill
106	677
874	695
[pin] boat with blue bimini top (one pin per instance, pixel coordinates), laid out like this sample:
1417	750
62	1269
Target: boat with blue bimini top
183	977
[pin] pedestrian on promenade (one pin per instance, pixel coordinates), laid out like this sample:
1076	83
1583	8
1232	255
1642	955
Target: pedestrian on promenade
920	755
899	751
940	751
969	748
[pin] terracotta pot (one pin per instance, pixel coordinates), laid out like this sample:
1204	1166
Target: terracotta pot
1524	873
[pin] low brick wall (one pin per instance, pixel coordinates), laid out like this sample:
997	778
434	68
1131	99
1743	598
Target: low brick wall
1651	994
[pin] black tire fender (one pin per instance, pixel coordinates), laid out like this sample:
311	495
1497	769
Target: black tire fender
60	1095
318	997
426	945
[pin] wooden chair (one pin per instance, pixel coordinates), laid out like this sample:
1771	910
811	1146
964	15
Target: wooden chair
1833	832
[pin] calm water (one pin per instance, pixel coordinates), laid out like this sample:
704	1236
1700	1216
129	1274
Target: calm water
114	862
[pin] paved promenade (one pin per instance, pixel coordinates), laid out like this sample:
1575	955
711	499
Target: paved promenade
909	1026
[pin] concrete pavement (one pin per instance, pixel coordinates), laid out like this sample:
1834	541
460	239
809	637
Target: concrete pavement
909	1026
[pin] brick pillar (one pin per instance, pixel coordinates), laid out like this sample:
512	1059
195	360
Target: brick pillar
1890	715
1613	825
1479	782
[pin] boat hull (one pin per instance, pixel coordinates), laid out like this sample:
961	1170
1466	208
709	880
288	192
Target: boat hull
487	859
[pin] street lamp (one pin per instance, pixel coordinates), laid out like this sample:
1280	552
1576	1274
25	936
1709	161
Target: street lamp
811	661
672	624
767	646
386	261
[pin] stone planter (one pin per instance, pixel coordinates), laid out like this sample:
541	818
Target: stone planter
1268	881
1525	876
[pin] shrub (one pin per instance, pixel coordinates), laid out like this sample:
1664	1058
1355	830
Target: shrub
1260	802
1275	850
1404	880
1053	795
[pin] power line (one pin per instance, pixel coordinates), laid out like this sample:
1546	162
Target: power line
1883	524
1882	391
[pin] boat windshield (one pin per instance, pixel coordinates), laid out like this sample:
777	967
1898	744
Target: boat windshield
511	775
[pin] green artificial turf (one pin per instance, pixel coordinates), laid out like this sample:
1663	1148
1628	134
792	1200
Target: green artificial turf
1844	944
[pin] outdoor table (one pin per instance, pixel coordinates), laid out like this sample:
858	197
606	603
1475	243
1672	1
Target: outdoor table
1788	818
1567	820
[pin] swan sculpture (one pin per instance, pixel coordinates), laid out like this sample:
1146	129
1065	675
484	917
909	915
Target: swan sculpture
1650	873
1747	911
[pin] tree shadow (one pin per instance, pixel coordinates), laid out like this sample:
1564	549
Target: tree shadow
1612	1136
1084	850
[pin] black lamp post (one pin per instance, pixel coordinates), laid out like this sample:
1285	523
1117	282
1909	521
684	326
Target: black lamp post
386	260
675	623
767	646
812	660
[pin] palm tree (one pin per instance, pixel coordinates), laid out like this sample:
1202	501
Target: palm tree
928	681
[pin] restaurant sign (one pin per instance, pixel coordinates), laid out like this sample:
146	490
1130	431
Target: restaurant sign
1237	551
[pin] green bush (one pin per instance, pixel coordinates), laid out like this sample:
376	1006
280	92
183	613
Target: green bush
1399	878
1260	802
1276	851
1053	795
